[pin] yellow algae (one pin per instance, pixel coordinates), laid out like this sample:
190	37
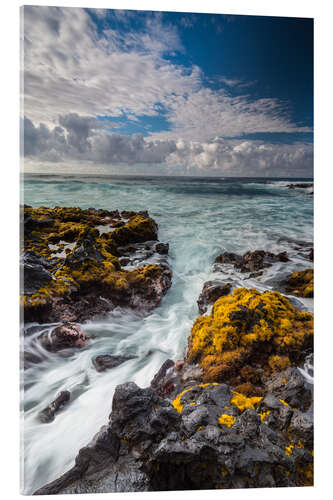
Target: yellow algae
242	322
279	363
301	283
289	449
227	420
177	404
243	403
264	415
284	402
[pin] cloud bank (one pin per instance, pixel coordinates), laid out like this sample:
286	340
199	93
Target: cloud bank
77	70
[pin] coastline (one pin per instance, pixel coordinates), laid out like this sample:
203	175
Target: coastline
181	376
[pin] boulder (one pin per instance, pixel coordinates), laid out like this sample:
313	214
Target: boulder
47	415
261	330
107	362
87	279
251	261
212	290
64	336
162	248
208	437
36	272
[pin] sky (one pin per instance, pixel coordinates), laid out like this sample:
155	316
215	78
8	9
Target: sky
138	92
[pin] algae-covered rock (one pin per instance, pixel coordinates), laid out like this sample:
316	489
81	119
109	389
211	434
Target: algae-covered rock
301	283
248	328
71	266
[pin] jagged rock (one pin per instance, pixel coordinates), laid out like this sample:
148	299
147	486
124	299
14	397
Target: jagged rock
300	185
35	272
48	414
251	261
162	248
289	386
86	277
63	337
163	382
216	439
212	290
107	362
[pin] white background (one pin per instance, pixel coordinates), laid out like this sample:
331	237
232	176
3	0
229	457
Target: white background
321	10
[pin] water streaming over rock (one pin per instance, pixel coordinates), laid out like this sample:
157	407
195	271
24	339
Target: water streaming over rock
200	218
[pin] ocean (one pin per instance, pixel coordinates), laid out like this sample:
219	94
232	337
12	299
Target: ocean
199	218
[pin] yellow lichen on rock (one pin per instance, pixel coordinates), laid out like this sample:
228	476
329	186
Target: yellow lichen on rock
244	403
177	404
301	283
264	415
243	322
279	363
227	420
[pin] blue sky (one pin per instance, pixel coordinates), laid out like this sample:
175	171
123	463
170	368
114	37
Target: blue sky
167	93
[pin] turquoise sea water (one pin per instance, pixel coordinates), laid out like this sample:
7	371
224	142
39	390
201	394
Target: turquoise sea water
199	218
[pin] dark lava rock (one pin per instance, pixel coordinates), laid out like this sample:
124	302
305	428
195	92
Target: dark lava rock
212	441
162	248
89	280
228	258
124	261
107	362
48	414
212	290
163	381
300	185
64	336
289	386
251	261
35	273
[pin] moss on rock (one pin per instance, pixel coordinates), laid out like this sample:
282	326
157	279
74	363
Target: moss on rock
84	260
301	283
249	327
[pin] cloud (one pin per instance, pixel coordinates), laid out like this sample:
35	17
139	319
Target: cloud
206	114
75	71
71	67
86	139
245	158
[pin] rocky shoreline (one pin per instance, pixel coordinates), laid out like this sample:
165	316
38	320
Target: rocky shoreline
234	413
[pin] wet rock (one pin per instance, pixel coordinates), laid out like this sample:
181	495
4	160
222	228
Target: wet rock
213	440
124	261
35	272
162	248
251	261
228	258
300	185
212	290
165	379
47	415
63	337
88	279
107	362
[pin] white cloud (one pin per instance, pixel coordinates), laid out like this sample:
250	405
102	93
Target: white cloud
85	139
73	74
